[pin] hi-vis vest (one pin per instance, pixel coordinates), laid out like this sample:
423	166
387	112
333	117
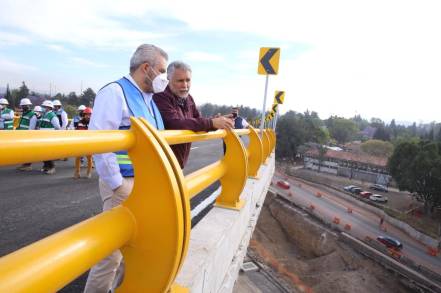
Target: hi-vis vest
46	120
138	108
25	120
8	124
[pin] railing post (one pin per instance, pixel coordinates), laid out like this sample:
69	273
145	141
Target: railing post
233	182
272	139
155	253
255	153
266	146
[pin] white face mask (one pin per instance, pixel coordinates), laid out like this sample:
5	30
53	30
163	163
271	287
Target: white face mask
159	83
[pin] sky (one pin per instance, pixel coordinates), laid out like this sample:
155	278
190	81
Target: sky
373	58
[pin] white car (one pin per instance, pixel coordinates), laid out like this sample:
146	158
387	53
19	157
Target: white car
378	198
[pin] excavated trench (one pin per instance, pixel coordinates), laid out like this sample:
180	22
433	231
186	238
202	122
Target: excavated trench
310	257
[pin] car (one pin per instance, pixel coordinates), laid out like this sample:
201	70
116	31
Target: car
378	198
365	194
390	242
378	187
283	184
349	187
356	190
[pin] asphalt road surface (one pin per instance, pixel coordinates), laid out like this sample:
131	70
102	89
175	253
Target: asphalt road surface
363	223
34	205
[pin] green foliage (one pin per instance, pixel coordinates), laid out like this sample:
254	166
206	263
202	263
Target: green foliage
360	122
209	110
377	148
341	129
71	110
416	167
8	95
382	133
295	129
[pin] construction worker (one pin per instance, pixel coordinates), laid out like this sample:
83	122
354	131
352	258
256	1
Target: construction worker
49	121
83	124
6	116
61	114
77	118
38	113
28	121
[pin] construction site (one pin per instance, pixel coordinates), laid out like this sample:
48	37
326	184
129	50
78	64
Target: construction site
298	253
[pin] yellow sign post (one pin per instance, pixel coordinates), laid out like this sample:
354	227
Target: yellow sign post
268	65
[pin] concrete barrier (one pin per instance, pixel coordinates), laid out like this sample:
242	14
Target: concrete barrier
219	242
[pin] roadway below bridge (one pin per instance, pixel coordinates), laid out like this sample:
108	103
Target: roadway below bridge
363	222
34	205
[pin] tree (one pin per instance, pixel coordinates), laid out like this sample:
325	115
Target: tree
8	95
87	97
295	129
341	129
377	148
23	92
393	128
416	167
382	133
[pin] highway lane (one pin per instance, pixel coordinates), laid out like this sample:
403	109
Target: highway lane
363	223
34	205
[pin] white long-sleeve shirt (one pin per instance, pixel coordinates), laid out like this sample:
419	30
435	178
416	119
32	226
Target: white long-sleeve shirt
64	119
110	111
33	123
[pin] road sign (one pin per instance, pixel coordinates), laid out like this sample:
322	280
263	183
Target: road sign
268	61
279	97
274	107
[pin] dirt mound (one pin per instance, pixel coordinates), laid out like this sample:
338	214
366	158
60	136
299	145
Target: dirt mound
311	257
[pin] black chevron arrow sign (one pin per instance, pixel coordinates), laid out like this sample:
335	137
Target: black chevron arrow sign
269	61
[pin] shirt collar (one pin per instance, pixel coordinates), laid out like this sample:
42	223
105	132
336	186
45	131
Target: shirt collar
130	78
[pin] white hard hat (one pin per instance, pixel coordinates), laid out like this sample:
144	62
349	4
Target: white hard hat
48	104
81	108
3	101
38	109
57	103
25	102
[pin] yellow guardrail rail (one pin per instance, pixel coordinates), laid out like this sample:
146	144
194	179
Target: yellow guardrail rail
152	227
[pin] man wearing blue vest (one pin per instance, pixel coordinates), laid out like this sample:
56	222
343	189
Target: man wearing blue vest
114	104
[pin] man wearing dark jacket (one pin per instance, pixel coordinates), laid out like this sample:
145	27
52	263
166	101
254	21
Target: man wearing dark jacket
178	109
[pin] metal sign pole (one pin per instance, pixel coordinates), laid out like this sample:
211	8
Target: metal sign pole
264	106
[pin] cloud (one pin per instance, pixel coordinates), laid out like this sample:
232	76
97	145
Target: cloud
86	62
7	65
202	57
58	48
11	39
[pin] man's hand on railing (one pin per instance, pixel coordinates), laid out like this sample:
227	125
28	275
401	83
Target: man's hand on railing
222	122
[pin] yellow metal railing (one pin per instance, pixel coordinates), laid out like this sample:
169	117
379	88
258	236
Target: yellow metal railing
152	227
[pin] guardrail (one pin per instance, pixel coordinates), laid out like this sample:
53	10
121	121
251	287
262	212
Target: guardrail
152	227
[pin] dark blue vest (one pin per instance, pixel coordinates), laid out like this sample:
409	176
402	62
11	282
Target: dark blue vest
138	108
238	122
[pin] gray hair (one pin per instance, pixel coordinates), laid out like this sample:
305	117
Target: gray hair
146	53
176	65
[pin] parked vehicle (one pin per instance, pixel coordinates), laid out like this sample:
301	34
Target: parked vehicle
349	187
378	198
378	187
365	194
283	184
390	242
356	190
